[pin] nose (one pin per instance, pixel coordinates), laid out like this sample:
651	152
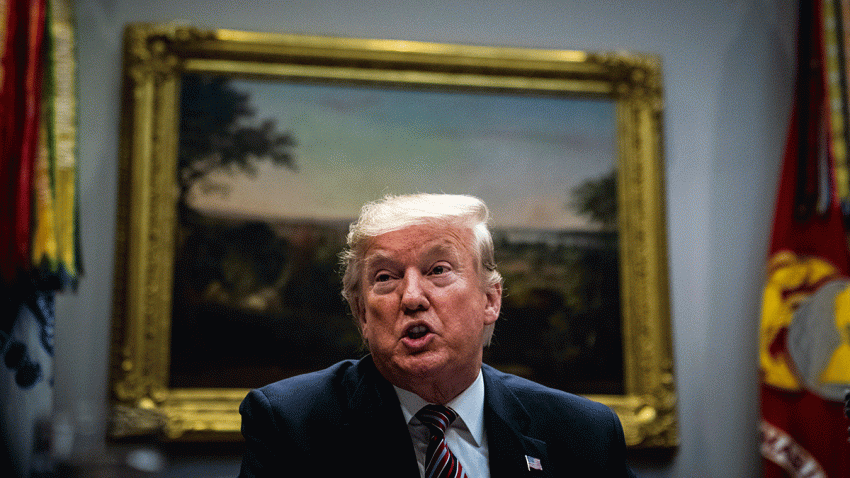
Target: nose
413	296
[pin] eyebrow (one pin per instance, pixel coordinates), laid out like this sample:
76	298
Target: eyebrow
443	248
376	258
379	257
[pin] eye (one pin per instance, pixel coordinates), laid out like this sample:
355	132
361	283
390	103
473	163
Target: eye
382	277
439	269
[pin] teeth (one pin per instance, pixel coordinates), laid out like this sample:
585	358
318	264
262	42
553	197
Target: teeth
417	331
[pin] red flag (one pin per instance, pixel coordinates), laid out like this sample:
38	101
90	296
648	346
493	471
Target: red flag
29	140
804	348
10	106
20	103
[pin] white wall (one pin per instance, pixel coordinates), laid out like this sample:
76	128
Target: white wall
728	73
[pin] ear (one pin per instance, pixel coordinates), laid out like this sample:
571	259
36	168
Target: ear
494	304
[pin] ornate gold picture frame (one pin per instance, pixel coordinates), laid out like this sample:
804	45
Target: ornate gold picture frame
153	384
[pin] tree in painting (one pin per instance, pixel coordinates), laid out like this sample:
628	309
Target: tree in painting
596	199
223	266
216	133
595	322
560	322
255	299
219	132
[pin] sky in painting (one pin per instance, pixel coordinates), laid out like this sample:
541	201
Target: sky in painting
520	154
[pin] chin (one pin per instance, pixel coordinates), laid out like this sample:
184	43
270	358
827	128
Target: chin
421	365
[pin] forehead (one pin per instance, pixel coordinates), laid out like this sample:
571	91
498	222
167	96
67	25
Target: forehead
419	241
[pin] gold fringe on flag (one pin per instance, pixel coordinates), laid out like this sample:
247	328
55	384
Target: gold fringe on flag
54	246
836	97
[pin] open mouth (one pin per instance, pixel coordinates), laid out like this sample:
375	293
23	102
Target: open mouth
417	331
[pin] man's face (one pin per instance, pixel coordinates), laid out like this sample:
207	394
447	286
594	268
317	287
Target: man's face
423	309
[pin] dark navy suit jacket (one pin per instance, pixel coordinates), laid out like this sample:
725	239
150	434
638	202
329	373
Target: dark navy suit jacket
346	421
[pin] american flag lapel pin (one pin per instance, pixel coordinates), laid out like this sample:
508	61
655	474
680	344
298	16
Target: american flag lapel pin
533	463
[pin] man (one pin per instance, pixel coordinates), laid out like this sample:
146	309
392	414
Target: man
421	281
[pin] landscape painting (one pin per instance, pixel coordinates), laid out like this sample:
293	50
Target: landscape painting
270	174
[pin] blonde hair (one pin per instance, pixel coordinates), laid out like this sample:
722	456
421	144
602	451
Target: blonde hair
393	213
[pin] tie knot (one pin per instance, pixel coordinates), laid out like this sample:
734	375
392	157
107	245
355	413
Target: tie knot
436	417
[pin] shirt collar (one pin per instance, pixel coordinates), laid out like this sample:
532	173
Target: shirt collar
469	406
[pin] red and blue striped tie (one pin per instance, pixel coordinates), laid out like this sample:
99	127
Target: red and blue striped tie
439	460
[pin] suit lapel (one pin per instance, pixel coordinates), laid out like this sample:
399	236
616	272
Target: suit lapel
378	437
508	426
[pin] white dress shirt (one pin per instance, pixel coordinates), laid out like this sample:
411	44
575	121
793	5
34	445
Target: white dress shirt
466	437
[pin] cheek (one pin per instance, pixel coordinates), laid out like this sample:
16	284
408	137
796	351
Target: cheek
476	313
376	305
377	312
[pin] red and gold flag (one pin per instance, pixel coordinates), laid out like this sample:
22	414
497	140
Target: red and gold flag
38	145
804	346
